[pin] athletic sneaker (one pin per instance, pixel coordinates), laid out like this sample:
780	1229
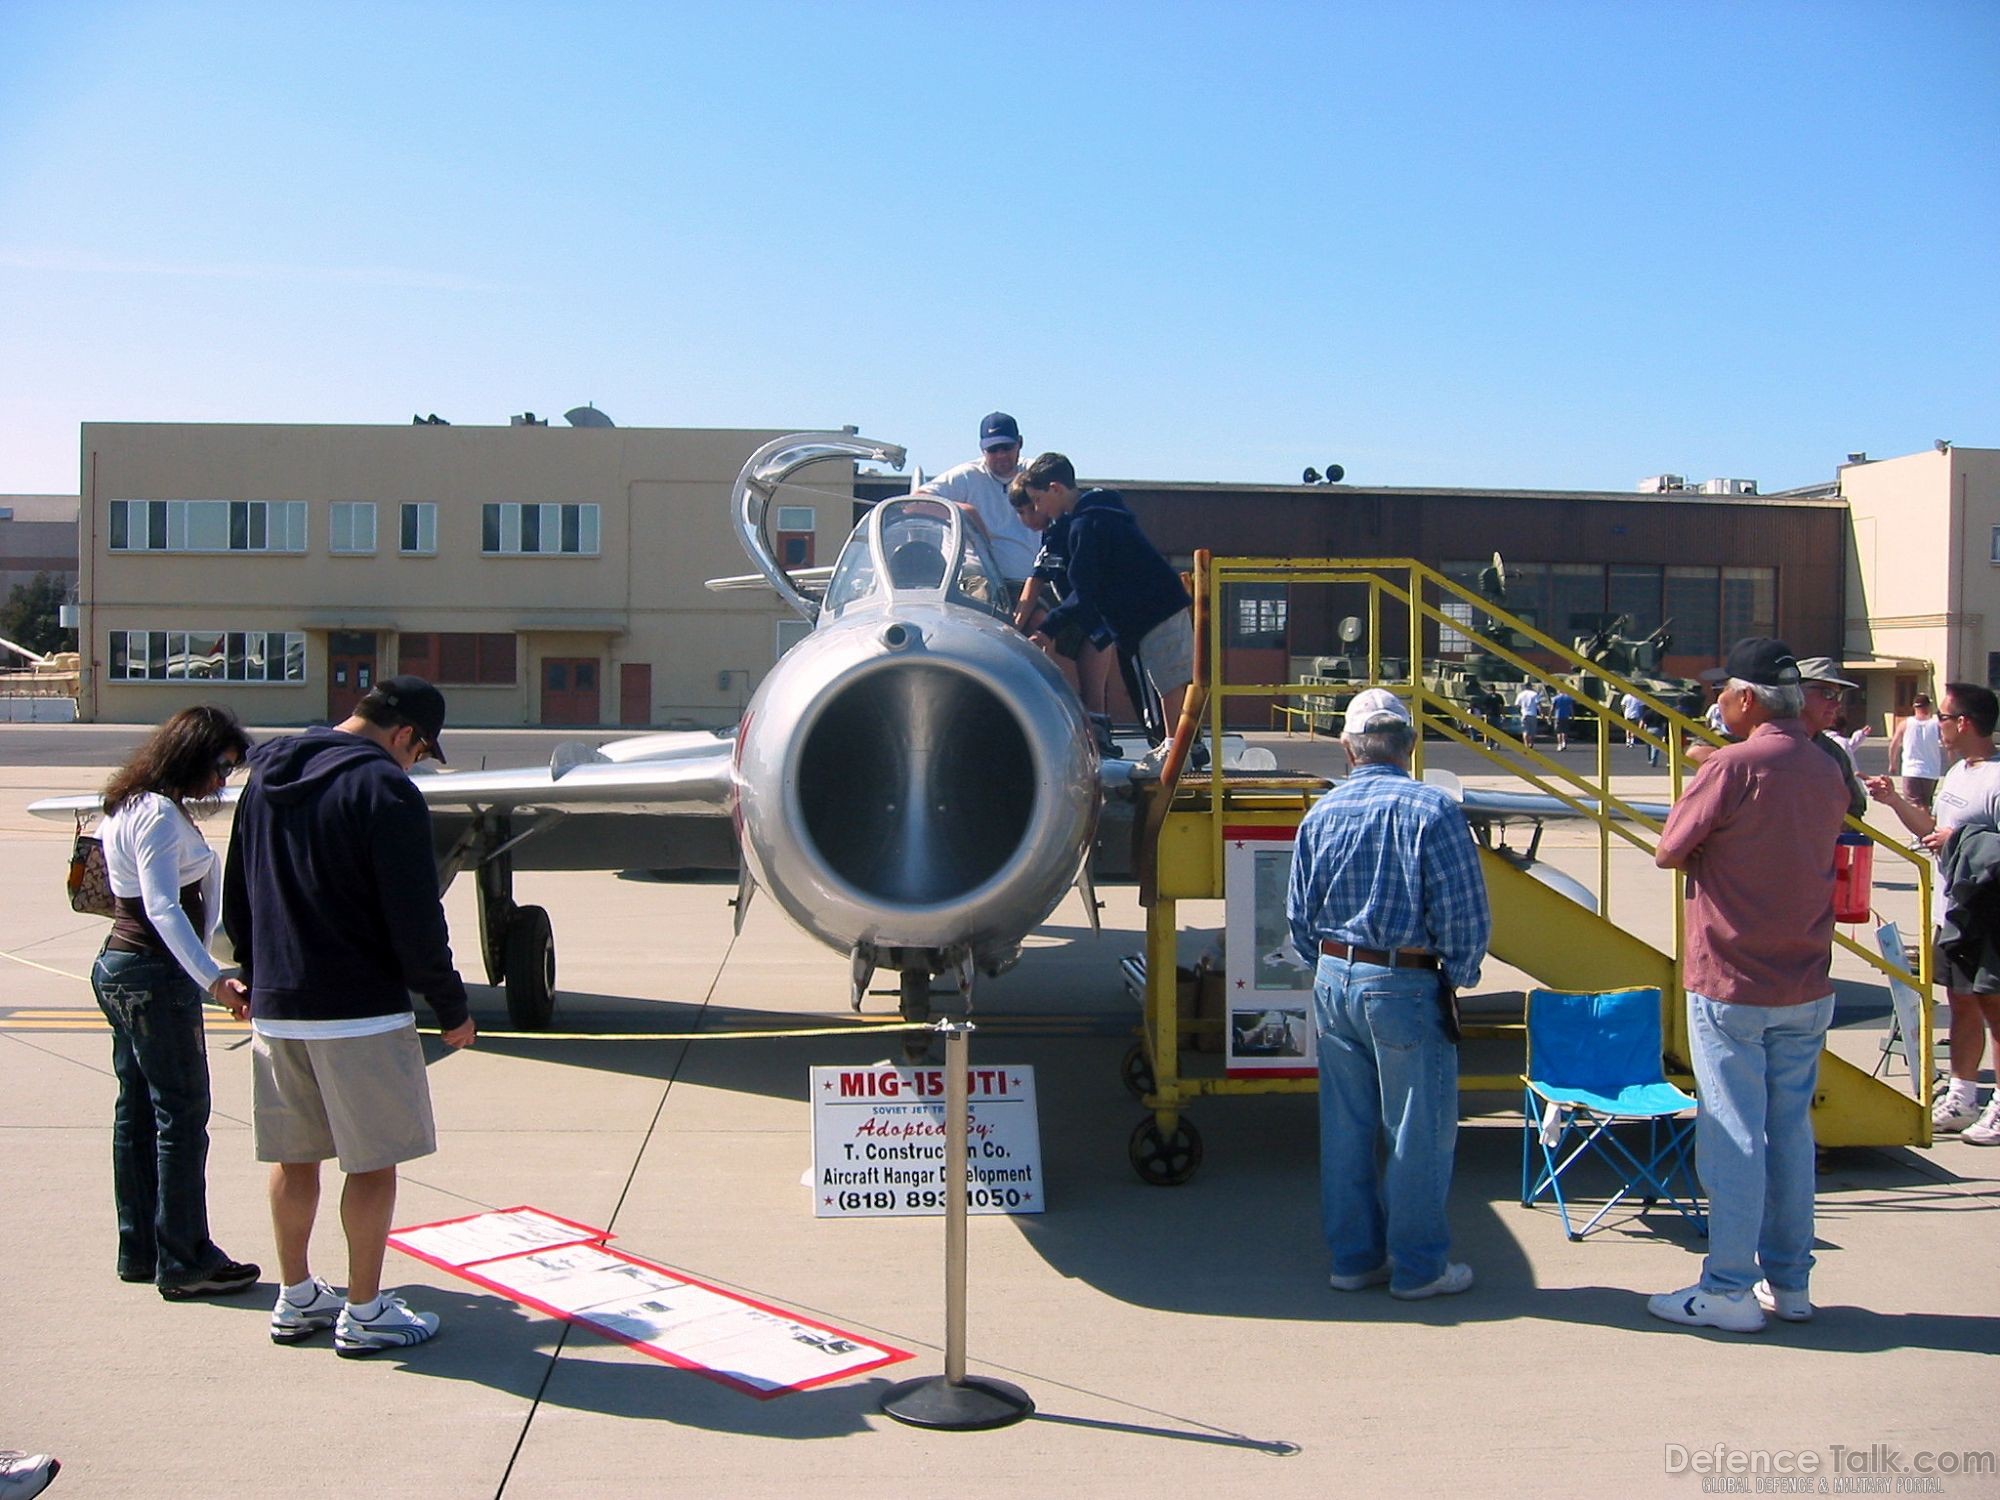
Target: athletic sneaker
1987	1131
1456	1277
1733	1312
1952	1113
227	1279
1360	1281
292	1321
394	1326
1794	1306
25	1474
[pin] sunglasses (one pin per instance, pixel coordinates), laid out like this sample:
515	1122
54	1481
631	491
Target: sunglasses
226	768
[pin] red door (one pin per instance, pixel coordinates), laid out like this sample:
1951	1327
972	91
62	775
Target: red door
350	671
635	693
569	690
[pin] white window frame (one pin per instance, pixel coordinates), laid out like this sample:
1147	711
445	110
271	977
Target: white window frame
350	528
175	650
283	523
548	528
427	527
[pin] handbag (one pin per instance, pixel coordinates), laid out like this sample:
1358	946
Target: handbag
89	879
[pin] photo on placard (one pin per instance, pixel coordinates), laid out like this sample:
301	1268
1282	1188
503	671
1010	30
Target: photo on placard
1279	966
1277	1032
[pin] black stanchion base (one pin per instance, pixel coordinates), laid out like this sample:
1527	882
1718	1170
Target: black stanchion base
972	1405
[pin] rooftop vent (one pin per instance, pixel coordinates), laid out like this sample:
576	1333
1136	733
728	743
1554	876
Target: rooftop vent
1662	484
1729	487
527	419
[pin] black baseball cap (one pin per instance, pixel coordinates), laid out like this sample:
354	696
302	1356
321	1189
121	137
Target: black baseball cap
1761	659
417	704
999	431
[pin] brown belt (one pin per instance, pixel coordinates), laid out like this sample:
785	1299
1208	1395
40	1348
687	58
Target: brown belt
1402	958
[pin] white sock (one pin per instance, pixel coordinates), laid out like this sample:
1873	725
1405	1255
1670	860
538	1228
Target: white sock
1965	1091
303	1293
366	1310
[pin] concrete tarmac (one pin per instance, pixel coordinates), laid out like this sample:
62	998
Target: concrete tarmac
1176	1339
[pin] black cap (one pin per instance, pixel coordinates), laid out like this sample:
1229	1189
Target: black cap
998	431
1761	659
417	704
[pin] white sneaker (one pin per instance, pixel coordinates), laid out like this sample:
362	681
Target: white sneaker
394	1327
1794	1306
1734	1312
1951	1113
292	1321
1456	1277
1360	1281
1987	1131
25	1474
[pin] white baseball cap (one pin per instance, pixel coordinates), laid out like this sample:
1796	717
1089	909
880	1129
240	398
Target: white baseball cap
1375	708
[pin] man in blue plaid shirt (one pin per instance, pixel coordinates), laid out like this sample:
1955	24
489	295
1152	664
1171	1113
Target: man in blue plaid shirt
1386	891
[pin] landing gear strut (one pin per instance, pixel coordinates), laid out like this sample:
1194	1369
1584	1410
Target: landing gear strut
518	945
916	1007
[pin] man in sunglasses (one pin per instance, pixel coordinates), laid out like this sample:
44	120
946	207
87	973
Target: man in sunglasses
331	899
982	484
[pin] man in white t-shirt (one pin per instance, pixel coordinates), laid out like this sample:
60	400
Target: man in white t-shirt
982	484
1969	794
1629	708
1528	703
1916	752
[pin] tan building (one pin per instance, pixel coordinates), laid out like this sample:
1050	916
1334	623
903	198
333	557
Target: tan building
1923	588
542	575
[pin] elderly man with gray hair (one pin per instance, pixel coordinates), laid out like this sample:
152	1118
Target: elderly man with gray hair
1755	833
1386	891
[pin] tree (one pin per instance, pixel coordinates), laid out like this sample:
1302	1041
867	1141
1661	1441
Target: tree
29	617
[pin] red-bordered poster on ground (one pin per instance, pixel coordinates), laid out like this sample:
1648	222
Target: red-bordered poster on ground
568	1270
1269	985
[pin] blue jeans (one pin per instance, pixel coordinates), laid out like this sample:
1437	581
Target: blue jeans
1755	1067
1387	1074
159	1133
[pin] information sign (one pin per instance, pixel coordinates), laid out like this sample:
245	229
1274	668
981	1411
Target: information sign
1268	982
879	1141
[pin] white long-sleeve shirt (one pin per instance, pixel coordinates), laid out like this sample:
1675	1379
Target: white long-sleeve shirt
151	850
973	484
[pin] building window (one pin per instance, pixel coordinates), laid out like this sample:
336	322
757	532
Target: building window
790	633
1634	591
419	536
1576	600
458	658
1257	617
1749	602
1694	605
510	530
1996	544
208	526
794	535
350	528
208	656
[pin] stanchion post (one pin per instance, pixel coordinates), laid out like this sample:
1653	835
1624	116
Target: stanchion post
955	1401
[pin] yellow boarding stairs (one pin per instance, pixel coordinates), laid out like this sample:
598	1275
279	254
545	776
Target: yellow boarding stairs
1536	929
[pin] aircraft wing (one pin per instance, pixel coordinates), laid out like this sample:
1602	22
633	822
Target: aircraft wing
1504	806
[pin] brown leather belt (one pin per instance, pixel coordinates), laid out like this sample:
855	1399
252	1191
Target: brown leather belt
1402	958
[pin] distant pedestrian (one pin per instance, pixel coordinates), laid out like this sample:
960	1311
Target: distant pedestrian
332	903
1755	831
1630	707
1528	704
1562	708
149	982
1916	752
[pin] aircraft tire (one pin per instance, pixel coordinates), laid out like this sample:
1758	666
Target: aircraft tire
531	969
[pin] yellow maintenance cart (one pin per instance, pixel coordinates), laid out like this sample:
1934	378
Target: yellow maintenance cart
1561	941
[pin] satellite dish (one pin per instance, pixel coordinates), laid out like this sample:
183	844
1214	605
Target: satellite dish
1350	629
1311	476
587	416
1334	473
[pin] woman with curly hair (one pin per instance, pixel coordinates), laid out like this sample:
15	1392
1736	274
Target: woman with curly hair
149	982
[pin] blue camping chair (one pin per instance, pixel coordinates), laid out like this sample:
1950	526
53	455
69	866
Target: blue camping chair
1594	1064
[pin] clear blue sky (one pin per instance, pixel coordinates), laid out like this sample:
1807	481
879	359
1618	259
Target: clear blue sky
1544	245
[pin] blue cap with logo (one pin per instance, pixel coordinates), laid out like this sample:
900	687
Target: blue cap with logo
999	431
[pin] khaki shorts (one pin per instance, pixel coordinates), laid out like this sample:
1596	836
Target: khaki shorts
1167	653
362	1098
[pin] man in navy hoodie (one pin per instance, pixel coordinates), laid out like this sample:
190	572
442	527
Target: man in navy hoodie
330	896
1119	576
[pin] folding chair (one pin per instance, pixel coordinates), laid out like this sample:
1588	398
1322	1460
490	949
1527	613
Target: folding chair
1594	1064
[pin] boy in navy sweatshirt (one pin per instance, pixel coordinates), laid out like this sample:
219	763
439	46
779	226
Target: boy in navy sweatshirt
1119	576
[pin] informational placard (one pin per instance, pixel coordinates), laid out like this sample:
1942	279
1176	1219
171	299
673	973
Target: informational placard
879	1141
1268	984
567	1270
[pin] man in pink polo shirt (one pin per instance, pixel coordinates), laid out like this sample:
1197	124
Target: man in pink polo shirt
1755	833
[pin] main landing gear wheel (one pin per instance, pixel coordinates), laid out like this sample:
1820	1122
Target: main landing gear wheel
1165	1160
1137	1072
530	948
